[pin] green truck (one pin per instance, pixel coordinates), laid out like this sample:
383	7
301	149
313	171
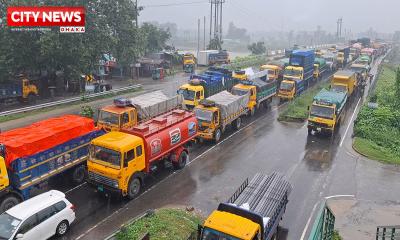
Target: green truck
320	67
326	111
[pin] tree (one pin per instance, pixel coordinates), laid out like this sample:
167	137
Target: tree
237	33
257	48
156	37
215	44
398	86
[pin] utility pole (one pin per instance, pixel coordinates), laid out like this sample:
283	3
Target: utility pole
198	37
211	15
136	14
204	40
220	21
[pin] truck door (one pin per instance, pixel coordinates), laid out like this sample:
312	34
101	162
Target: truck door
133	162
4	181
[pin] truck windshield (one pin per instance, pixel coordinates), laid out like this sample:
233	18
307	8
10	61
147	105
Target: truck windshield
109	117
322	112
286	86
211	234
203	115
187	94
293	73
239	92
8	225
105	155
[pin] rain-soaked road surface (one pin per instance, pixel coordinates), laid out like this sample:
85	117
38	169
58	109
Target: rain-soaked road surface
316	166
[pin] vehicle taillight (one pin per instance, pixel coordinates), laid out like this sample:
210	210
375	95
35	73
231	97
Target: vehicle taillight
72	207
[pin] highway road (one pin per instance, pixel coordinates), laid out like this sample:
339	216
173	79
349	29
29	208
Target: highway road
317	166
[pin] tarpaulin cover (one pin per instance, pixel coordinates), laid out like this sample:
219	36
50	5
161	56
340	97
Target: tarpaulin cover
155	103
229	103
43	135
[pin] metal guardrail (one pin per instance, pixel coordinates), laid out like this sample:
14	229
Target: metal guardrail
388	232
323	225
69	100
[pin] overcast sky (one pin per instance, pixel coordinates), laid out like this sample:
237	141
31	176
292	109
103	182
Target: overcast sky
268	15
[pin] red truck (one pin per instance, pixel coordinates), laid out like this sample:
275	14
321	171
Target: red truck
119	161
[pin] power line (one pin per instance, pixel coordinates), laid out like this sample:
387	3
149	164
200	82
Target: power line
176	4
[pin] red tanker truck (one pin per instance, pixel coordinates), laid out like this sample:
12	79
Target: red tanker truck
119	161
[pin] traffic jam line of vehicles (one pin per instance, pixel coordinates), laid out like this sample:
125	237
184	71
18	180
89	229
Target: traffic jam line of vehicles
134	137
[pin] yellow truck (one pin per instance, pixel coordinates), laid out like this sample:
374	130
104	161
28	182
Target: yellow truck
326	111
119	161
217	112
126	113
275	70
201	86
253	212
260	92
24	91
189	63
344	81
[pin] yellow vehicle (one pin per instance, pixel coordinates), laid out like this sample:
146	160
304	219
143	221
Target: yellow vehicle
344	81
127	113
24	91
275	71
253	212
189	62
119	161
215	113
292	83
340	59
260	92
326	111
201	86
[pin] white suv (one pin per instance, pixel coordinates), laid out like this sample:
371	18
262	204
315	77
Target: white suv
37	218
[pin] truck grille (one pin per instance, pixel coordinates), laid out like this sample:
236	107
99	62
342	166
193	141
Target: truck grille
102	179
321	125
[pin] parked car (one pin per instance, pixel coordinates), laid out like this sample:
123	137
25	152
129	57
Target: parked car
40	217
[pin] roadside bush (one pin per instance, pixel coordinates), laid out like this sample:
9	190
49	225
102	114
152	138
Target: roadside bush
87	111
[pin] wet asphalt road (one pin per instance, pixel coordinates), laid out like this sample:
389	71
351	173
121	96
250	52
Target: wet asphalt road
317	166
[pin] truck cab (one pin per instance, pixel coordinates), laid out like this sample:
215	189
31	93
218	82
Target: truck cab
189	62
274	72
321	117
340	59
287	89
192	94
209	120
229	226
115	118
114	158
243	89
28	90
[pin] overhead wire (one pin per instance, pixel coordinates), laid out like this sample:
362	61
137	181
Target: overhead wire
176	4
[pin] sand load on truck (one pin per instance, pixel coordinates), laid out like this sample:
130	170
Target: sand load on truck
229	103
155	103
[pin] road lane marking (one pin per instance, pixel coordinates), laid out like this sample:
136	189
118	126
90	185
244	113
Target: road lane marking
308	221
72	189
336	196
350	122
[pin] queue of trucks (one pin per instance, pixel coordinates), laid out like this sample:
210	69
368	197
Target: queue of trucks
134	137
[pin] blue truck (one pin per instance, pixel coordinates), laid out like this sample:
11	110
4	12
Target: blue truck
22	90
343	56
32	155
299	70
201	86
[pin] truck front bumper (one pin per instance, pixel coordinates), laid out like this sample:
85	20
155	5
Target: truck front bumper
320	127
286	97
104	189
206	135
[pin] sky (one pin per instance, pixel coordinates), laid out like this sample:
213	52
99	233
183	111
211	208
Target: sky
267	15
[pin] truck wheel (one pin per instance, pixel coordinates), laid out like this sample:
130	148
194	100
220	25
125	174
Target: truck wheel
31	99
78	175
8	202
252	111
183	159
309	131
238	123
134	188
217	135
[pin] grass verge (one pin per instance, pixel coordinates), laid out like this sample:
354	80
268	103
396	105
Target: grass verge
163	224
336	235
372	151
43	110
297	111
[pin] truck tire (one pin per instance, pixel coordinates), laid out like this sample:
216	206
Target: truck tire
182	161
134	187
309	130
78	175
31	99
237	123
217	135
8	202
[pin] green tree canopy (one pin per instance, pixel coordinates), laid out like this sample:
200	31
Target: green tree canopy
257	48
